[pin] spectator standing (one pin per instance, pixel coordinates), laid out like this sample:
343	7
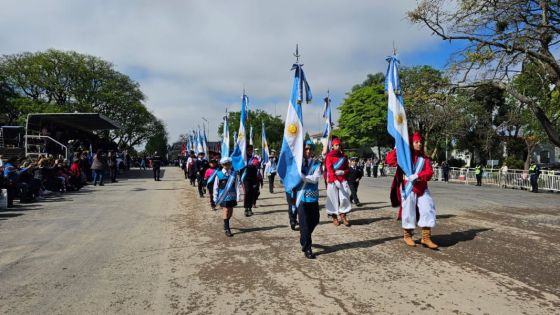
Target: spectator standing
478	170
534	172
112	163
98	167
368	167
503	175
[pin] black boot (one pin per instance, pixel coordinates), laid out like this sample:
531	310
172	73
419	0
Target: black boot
250	212
227	230
247	212
309	254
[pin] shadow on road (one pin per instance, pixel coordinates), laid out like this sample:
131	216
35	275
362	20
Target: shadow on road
139	174
367	221
6	216
256	229
445	216
456	237
351	245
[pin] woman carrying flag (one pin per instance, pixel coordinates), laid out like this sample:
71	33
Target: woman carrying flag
419	196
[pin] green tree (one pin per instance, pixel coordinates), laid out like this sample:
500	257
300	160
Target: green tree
363	117
425	92
158	141
274	127
57	81
501	37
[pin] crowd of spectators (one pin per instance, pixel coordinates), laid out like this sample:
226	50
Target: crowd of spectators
32	179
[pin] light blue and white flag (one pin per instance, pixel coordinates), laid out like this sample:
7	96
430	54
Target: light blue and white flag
328	125
225	138
396	117
199	145
291	154
205	144
239	155
264	144
251	136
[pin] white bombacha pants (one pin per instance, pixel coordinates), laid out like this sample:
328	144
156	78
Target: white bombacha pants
426	208
338	198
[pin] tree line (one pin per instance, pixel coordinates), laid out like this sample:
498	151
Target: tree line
56	81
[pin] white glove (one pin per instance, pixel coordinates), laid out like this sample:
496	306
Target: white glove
412	177
339	172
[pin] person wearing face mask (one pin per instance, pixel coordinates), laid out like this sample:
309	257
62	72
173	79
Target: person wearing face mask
419	198
338	196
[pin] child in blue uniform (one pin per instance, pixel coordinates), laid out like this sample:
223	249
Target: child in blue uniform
226	192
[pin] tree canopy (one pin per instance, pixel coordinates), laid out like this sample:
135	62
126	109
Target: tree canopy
59	81
274	127
502	38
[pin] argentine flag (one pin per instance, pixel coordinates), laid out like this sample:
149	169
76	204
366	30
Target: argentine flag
205	144
239	155
264	145
396	116
199	145
291	154
225	138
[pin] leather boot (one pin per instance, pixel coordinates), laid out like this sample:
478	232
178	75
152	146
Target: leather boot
335	220
426	239
344	219
408	238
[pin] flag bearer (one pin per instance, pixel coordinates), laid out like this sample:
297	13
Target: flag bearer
249	177
419	196
209	178
338	202
226	192
308	198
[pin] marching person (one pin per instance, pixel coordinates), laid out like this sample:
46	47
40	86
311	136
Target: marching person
271	167
419	197
200	166
156	166
534	172
308	199
209	178
338	202
226	192
355	173
249	177
191	170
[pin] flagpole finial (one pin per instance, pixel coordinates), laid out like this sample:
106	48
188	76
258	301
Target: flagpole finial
297	55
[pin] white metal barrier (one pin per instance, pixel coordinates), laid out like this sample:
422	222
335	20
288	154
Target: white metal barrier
519	179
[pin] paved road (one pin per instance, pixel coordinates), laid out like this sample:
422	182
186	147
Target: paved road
141	246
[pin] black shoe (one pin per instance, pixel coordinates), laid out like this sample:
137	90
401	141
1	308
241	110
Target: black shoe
101	184
309	254
247	213
228	233
358	204
293	225
250	212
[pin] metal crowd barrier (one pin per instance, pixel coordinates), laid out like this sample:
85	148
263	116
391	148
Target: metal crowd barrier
517	179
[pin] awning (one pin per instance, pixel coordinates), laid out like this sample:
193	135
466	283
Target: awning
82	121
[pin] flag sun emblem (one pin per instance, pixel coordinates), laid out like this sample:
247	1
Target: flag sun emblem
399	119
292	129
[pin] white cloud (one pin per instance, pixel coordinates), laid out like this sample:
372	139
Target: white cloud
192	58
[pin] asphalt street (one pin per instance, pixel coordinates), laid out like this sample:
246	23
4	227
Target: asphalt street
140	246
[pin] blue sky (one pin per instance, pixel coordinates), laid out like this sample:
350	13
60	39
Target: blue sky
193	58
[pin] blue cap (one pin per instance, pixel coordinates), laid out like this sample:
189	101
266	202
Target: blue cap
225	160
